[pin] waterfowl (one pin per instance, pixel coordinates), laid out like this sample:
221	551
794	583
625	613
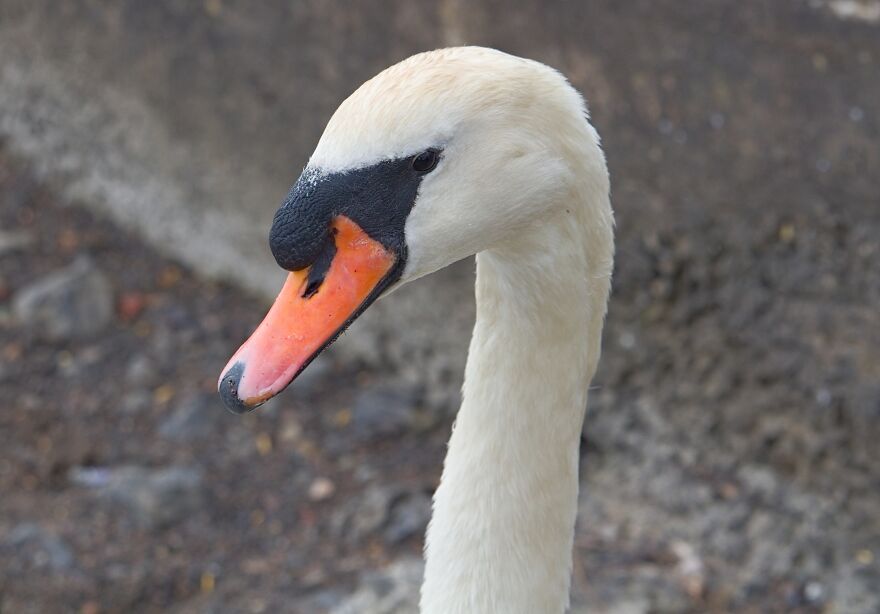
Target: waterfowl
447	154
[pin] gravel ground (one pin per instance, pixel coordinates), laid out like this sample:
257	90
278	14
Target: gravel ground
729	457
128	487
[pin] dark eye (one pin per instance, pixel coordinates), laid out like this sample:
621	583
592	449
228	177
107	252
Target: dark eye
426	161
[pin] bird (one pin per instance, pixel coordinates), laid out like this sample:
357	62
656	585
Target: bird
447	154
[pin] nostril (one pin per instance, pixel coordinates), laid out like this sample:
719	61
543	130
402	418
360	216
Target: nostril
312	287
321	266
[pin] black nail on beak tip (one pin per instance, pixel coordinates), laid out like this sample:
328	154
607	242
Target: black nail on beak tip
229	390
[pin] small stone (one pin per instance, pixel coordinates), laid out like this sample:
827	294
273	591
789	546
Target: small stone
717	120
814	592
258	517
92	477
393	590
627	605
38	547
313	377
409	517
163	394
68	240
858	10
135	402
321	489
207	582
627	340
169	277
156	498
382	412
193	417
759	480
291	431
130	305
140	370
321	601
729	491
73	303
363	516
15	240
690	569
342	418
90	607
213	7
787	233
263	444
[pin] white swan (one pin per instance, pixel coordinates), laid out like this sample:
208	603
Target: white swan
451	153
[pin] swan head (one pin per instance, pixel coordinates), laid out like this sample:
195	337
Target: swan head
439	157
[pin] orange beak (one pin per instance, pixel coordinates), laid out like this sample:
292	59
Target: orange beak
304	319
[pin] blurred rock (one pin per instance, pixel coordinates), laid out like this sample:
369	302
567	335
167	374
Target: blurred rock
135	402
140	371
394	590
322	601
383	411
363	516
624	606
35	548
641	590
321	489
409	517
91	477
690	569
72	303
156	498
311	380
14	240
194	416
397	514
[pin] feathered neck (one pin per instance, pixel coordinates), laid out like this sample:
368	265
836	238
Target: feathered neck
501	536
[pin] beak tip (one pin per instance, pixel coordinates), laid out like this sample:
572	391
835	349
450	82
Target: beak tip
228	389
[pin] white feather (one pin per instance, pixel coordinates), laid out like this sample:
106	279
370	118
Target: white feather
522	184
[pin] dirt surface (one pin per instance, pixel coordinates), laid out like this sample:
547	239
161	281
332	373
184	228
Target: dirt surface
730	460
140	393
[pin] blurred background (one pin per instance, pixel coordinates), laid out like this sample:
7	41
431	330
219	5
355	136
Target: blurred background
729	461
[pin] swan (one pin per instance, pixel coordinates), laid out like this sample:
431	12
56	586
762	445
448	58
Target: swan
447	154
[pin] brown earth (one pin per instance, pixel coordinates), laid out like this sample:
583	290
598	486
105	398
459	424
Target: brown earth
730	461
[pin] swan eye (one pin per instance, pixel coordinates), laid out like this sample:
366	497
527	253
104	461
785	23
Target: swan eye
426	161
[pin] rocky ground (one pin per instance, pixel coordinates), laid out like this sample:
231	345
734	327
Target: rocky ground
729	457
128	487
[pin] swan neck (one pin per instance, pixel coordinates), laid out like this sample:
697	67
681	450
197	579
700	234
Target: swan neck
504	513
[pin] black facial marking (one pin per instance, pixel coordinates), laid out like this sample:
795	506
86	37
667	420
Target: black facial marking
378	198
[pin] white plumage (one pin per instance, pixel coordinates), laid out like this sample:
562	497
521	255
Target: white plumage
522	184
